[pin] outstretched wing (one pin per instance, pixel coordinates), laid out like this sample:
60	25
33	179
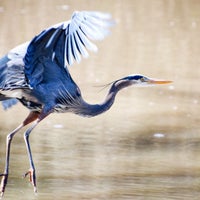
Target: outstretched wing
83	27
12	76
63	43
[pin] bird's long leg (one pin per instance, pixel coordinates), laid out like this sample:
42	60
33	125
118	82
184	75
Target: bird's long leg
6	170
31	117
31	171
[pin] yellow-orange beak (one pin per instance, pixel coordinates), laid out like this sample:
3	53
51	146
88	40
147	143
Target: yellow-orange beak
159	81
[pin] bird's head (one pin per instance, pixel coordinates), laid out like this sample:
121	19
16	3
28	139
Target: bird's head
142	81
136	80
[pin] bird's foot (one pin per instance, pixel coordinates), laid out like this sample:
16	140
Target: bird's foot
32	178
4	180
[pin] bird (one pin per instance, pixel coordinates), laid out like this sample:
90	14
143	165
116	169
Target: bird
36	74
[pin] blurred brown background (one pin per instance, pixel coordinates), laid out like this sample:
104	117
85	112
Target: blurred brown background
147	146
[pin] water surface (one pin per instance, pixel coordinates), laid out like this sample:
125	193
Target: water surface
147	146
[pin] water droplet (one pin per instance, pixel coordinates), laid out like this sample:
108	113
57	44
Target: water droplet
159	135
58	126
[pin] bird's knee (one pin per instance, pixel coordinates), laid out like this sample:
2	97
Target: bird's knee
26	135
9	137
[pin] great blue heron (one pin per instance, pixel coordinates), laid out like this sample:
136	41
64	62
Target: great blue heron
36	74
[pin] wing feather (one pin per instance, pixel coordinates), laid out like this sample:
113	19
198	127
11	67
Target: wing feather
80	45
65	43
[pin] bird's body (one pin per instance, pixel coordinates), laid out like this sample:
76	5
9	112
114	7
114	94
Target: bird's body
48	86
36	74
56	93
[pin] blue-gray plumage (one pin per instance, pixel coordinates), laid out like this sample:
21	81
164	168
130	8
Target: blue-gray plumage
36	74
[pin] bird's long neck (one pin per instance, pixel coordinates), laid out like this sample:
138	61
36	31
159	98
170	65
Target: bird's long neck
91	110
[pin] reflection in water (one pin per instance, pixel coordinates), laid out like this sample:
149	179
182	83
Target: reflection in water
147	146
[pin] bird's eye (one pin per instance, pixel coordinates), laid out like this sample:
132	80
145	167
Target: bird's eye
143	79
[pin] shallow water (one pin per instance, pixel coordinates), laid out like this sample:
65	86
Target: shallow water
147	146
